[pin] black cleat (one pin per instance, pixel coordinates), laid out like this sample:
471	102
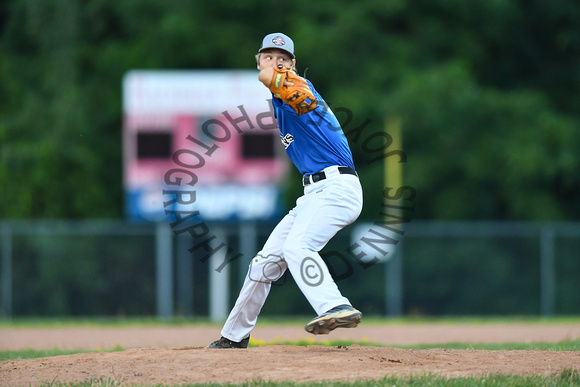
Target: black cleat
342	316
224	343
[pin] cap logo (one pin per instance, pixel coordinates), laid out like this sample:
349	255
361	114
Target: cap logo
278	41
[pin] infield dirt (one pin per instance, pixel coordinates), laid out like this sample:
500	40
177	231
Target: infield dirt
175	355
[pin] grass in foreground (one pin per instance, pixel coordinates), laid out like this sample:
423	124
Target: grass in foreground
36	353
567	377
566	345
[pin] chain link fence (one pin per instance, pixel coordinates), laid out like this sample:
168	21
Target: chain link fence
115	268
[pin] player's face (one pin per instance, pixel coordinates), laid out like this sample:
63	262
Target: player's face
272	58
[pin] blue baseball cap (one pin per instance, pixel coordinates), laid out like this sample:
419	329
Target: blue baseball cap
278	40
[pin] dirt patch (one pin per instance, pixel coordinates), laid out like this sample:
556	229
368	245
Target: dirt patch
175	355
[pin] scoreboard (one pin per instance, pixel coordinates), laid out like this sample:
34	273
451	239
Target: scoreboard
212	131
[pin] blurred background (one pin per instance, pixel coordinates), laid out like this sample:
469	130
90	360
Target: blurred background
485	97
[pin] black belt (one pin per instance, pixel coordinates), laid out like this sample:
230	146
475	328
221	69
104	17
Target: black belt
321	175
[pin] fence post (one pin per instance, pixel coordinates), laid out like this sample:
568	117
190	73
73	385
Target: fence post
6	270
394	283
164	270
184	276
219	283
547	274
248	239
393	172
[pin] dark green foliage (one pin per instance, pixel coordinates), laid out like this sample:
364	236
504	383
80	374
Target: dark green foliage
488	92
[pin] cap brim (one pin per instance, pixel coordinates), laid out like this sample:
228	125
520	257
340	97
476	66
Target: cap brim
276	48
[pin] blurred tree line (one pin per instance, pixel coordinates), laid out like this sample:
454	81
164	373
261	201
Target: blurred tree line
488	92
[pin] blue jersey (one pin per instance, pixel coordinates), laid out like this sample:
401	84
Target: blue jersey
314	140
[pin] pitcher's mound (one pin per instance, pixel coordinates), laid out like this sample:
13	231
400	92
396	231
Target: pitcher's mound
151	366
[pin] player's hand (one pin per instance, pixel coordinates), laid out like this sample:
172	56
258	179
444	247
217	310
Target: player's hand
291	88
286	81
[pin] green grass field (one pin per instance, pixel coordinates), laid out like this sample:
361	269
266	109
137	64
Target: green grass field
567	377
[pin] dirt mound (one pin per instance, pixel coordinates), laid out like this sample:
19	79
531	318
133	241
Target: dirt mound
175	355
276	363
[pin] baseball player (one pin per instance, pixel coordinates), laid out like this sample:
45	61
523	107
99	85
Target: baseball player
332	199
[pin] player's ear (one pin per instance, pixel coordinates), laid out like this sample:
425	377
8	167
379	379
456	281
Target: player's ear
293	66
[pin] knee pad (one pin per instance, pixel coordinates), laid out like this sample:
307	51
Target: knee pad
266	268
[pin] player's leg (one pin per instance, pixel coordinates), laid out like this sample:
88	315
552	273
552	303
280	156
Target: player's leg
322	212
266	267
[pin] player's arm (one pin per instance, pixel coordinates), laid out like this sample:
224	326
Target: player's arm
265	76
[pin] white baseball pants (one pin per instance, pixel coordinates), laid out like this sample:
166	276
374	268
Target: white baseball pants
325	208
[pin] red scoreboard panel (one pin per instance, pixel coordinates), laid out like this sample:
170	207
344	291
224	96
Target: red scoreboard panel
215	131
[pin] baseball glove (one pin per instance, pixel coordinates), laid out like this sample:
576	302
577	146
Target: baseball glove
293	90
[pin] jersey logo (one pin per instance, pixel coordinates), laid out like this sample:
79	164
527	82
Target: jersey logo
286	140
